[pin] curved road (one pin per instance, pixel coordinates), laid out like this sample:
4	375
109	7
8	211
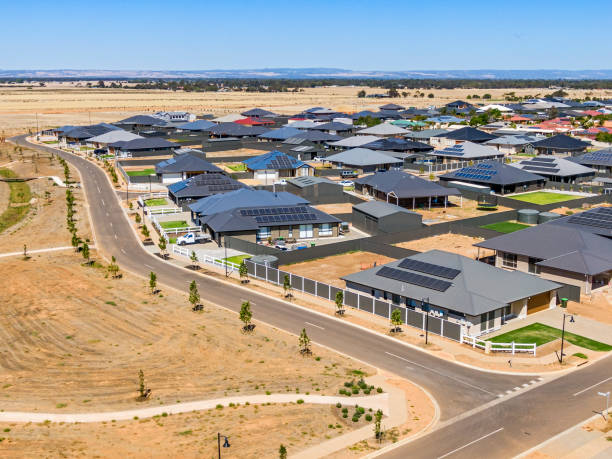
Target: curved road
507	426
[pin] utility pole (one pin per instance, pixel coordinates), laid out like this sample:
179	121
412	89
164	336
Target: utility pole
607	395
563	335
225	246
426	312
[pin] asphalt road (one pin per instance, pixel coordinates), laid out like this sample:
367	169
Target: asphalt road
508	427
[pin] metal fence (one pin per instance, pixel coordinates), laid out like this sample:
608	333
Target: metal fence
202	258
355	300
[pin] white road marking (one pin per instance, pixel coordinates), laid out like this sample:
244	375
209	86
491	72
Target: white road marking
116	237
150	267
441	374
594	385
98	189
123	251
316	326
471	443
102	202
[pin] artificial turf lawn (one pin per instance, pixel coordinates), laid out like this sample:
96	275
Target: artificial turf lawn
541	334
237	167
237	258
156	202
141	173
505	227
174	224
544	197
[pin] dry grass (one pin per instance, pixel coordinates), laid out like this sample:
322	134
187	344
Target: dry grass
456	243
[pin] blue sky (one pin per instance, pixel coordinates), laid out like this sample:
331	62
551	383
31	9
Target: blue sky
358	35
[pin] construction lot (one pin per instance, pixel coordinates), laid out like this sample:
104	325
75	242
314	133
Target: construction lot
456	209
456	243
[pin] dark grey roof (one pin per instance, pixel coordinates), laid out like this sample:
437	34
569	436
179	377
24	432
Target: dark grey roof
363	157
144	120
551	166
391	107
185	163
475	289
87	132
147	143
395	144
467	133
258	113
493	172
237	130
561	142
204	185
595	158
379	209
316	136
333	126
404	185
280	134
303	182
197	125
425	133
245	197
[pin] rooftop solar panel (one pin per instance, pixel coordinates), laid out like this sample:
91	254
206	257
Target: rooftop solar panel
414	279
429	268
550	170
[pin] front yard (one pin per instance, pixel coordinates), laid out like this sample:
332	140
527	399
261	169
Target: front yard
541	334
174	224
153	202
140	173
544	197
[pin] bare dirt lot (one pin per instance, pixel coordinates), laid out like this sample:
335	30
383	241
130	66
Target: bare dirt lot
230	153
343	208
456	210
57	105
456	243
597	306
330	269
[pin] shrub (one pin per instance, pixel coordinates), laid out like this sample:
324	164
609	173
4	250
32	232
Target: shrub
355	390
366	391
338	405
348	384
379	390
345	415
345	410
368	417
300	401
341	391
361	409
355	418
219	406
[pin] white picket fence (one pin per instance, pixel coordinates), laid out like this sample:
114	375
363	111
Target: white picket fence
217	262
163	210
512	347
143	197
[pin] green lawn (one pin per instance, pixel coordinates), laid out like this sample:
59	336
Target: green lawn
544	197
174	224
19	194
156	202
50	142
237	258
505	227
237	167
541	334
140	173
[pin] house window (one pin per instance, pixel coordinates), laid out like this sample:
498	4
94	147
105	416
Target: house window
306	231
533	267
263	233
396	299
509	260
290	231
325	229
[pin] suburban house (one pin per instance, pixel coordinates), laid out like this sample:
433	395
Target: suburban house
556	169
560	144
117	135
600	160
78	136
513	144
175	117
258	113
365	160
353	142
403	189
202	186
229	118
476	295
465	151
391	107
182	167
334	128
139	123
377	217
317	190
279	134
458	104
275	164
231	129
465	134
574	250
256	215
398	145
253	121
383	130
196	126
147	146
425	135
496	176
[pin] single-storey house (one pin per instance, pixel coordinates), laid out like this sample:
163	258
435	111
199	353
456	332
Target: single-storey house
556	169
513	144
404	190
275	164
399	145
377	217
383	130
497	176
79	135
258	113
334	128
232	129
574	250
425	135
253	121
202	186
391	107
465	134
196	126
476	295
315	136
256	215
465	151
317	190
600	160
138	123
365	160
182	167
353	141
229	118
103	140
147	146
560	144
280	134
458	104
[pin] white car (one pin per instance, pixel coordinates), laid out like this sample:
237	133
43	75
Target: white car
281	182
346	183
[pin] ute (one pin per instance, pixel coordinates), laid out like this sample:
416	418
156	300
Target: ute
192	238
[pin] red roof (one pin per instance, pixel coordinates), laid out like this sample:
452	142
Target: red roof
519	118
254	121
592	112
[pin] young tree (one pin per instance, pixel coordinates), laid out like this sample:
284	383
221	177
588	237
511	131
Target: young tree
194	295
25	252
304	342
152	282
287	286
282	452
377	425
85	252
75	241
137	218
243	271
246	315
113	267
396	320
162	246
339	300
142	389
145	231
361	94
194	259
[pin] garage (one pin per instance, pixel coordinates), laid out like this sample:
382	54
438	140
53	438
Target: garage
538	303
266	175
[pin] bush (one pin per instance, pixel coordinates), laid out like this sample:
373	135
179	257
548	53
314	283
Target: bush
361	409
219	406
348	384
338	405
379	390
366	391
345	415
300	401
355	418
345	410
368	417
355	390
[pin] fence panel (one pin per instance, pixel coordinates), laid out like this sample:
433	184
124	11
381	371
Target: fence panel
297	282
402	312
332	292
350	299
310	286
366	304
250	267
381	308
415	319
434	325
260	271
273	275
322	290
452	330
281	277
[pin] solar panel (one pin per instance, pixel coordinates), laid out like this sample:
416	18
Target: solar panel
429	268
551	170
414	279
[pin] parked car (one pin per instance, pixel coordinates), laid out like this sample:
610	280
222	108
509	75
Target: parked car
280	244
280	182
348	174
191	238
346	183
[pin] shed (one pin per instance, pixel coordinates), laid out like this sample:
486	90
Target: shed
375	217
317	190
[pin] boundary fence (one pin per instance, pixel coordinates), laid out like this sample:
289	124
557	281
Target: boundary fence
435	325
512	347
218	262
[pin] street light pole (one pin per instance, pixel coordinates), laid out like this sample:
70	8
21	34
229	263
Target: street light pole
607	395
563	334
426	318
226	443
225	246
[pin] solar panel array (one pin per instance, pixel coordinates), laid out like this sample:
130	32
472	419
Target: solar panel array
544	165
286	218
281	162
600	156
429	268
273	211
454	150
414	279
479	172
600	217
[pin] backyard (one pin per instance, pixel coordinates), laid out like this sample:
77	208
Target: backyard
238	167
174	224
541	334
505	227
141	173
153	202
544	197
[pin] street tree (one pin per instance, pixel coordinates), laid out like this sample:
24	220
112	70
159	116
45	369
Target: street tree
194	259
282	452
243	272
113	268
194	295
162	246
246	315
339	300
396	320
304	342
152	282
287	286
85	252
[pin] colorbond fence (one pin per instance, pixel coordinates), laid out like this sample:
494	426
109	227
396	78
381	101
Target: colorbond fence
355	300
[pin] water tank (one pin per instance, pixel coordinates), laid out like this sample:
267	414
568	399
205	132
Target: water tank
268	260
529	216
547	216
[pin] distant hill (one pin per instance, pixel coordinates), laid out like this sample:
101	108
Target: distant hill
314	73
